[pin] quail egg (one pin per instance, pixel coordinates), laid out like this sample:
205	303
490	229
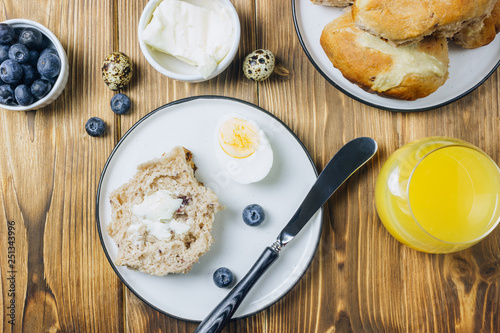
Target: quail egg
243	150
117	70
259	65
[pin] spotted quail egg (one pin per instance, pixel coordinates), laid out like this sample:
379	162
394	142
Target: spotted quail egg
259	65
117	70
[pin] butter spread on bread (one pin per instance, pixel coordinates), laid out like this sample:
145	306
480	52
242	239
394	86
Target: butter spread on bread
162	217
407	60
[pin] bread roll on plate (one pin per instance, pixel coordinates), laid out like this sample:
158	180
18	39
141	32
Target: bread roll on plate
405	72
150	241
408	21
473	37
333	3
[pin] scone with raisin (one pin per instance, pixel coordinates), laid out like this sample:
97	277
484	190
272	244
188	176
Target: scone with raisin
409	21
476	36
162	217
405	72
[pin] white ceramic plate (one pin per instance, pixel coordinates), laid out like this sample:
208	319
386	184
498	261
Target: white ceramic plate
468	68
192	123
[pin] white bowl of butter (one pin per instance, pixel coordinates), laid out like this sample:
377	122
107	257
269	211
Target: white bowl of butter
189	40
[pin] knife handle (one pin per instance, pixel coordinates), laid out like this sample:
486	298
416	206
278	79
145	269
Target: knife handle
221	315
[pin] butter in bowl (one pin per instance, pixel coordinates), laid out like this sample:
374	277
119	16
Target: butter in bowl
189	40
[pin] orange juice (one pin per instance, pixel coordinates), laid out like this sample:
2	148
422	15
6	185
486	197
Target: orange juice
439	195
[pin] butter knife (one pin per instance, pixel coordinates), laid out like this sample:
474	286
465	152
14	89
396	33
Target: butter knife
343	164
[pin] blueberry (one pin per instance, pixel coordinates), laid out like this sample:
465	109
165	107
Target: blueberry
46	43
6	90
95	126
33	59
49	65
17	32
29	74
120	104
40	88
4	52
30	37
11	71
23	95
6	33
49	50
223	277
52	80
253	215
19	52
7	95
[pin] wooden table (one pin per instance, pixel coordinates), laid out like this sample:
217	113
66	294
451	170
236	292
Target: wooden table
361	279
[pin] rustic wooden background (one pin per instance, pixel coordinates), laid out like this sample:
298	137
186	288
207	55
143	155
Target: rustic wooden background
360	280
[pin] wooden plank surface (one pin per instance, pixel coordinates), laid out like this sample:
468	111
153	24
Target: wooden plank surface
361	279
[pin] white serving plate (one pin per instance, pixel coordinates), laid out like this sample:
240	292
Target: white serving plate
192	123
468	68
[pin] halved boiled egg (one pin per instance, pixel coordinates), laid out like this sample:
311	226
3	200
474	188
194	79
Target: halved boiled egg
243	150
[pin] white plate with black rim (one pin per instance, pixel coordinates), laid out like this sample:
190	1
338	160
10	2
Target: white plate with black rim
192	123
468	68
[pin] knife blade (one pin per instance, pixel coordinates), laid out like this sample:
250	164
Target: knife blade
347	161
343	164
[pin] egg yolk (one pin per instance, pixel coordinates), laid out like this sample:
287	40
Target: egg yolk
238	138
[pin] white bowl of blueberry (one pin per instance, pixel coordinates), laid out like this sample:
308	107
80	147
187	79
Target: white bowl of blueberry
33	65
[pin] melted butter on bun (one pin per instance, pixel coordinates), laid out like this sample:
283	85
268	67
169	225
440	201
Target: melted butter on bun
406	60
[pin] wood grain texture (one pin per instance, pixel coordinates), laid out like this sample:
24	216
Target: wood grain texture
49	179
361	279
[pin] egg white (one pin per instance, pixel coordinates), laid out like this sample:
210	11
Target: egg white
250	169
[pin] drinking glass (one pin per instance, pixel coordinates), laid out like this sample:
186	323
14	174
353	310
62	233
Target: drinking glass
439	195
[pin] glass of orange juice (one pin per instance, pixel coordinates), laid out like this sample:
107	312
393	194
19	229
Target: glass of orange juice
439	195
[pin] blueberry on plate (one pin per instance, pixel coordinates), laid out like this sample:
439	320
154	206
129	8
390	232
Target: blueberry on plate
4	52
95	126
223	277
120	104
40	88
253	215
20	53
29	74
30	37
49	65
11	71
6	33
7	95
33	59
23	95
49	50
